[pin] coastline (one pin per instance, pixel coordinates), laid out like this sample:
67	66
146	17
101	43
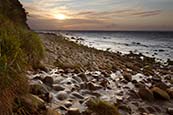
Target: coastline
130	84
65	53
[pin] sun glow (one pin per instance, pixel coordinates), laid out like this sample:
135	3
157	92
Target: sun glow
60	16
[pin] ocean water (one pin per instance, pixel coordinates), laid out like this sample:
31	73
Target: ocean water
152	44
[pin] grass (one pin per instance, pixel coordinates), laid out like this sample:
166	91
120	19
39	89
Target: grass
20	49
100	107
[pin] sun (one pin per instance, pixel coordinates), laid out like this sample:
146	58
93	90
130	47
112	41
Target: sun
60	16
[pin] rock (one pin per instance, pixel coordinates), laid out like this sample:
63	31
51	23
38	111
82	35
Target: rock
47	97
92	86
83	85
83	77
170	111
62	95
38	89
48	80
32	102
77	95
125	108
67	104
127	76
156	78
145	94
150	109
160	94
104	82
63	108
52	112
77	79
105	73
161	85
57	87
170	92
73	111
141	110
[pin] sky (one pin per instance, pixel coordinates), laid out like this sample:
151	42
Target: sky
99	14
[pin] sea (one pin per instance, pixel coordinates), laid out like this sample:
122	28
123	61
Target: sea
158	44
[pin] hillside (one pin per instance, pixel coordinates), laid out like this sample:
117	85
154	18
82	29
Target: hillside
20	49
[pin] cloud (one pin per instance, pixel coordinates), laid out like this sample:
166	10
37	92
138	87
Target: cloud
97	14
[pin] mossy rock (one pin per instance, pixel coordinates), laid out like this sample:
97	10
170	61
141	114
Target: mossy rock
101	107
146	94
160	94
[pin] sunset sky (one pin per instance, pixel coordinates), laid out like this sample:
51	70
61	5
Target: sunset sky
100	14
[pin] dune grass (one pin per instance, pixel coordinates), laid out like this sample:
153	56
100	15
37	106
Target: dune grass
20	49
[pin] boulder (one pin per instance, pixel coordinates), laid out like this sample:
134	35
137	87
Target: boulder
57	87
127	76
62	95
145	94
48	80
160	94
32	102
38	89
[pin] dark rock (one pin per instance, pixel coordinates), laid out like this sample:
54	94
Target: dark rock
160	94
47	97
77	95
57	87
141	110
62	95
48	80
104	82
127	76
83	85
161	85
83	77
38	89
156	78
170	111
67	104
77	79
125	108
92	86
106	74
146	94
151	110
63	108
170	92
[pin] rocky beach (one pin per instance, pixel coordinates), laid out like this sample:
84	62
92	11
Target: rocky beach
78	80
52	74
